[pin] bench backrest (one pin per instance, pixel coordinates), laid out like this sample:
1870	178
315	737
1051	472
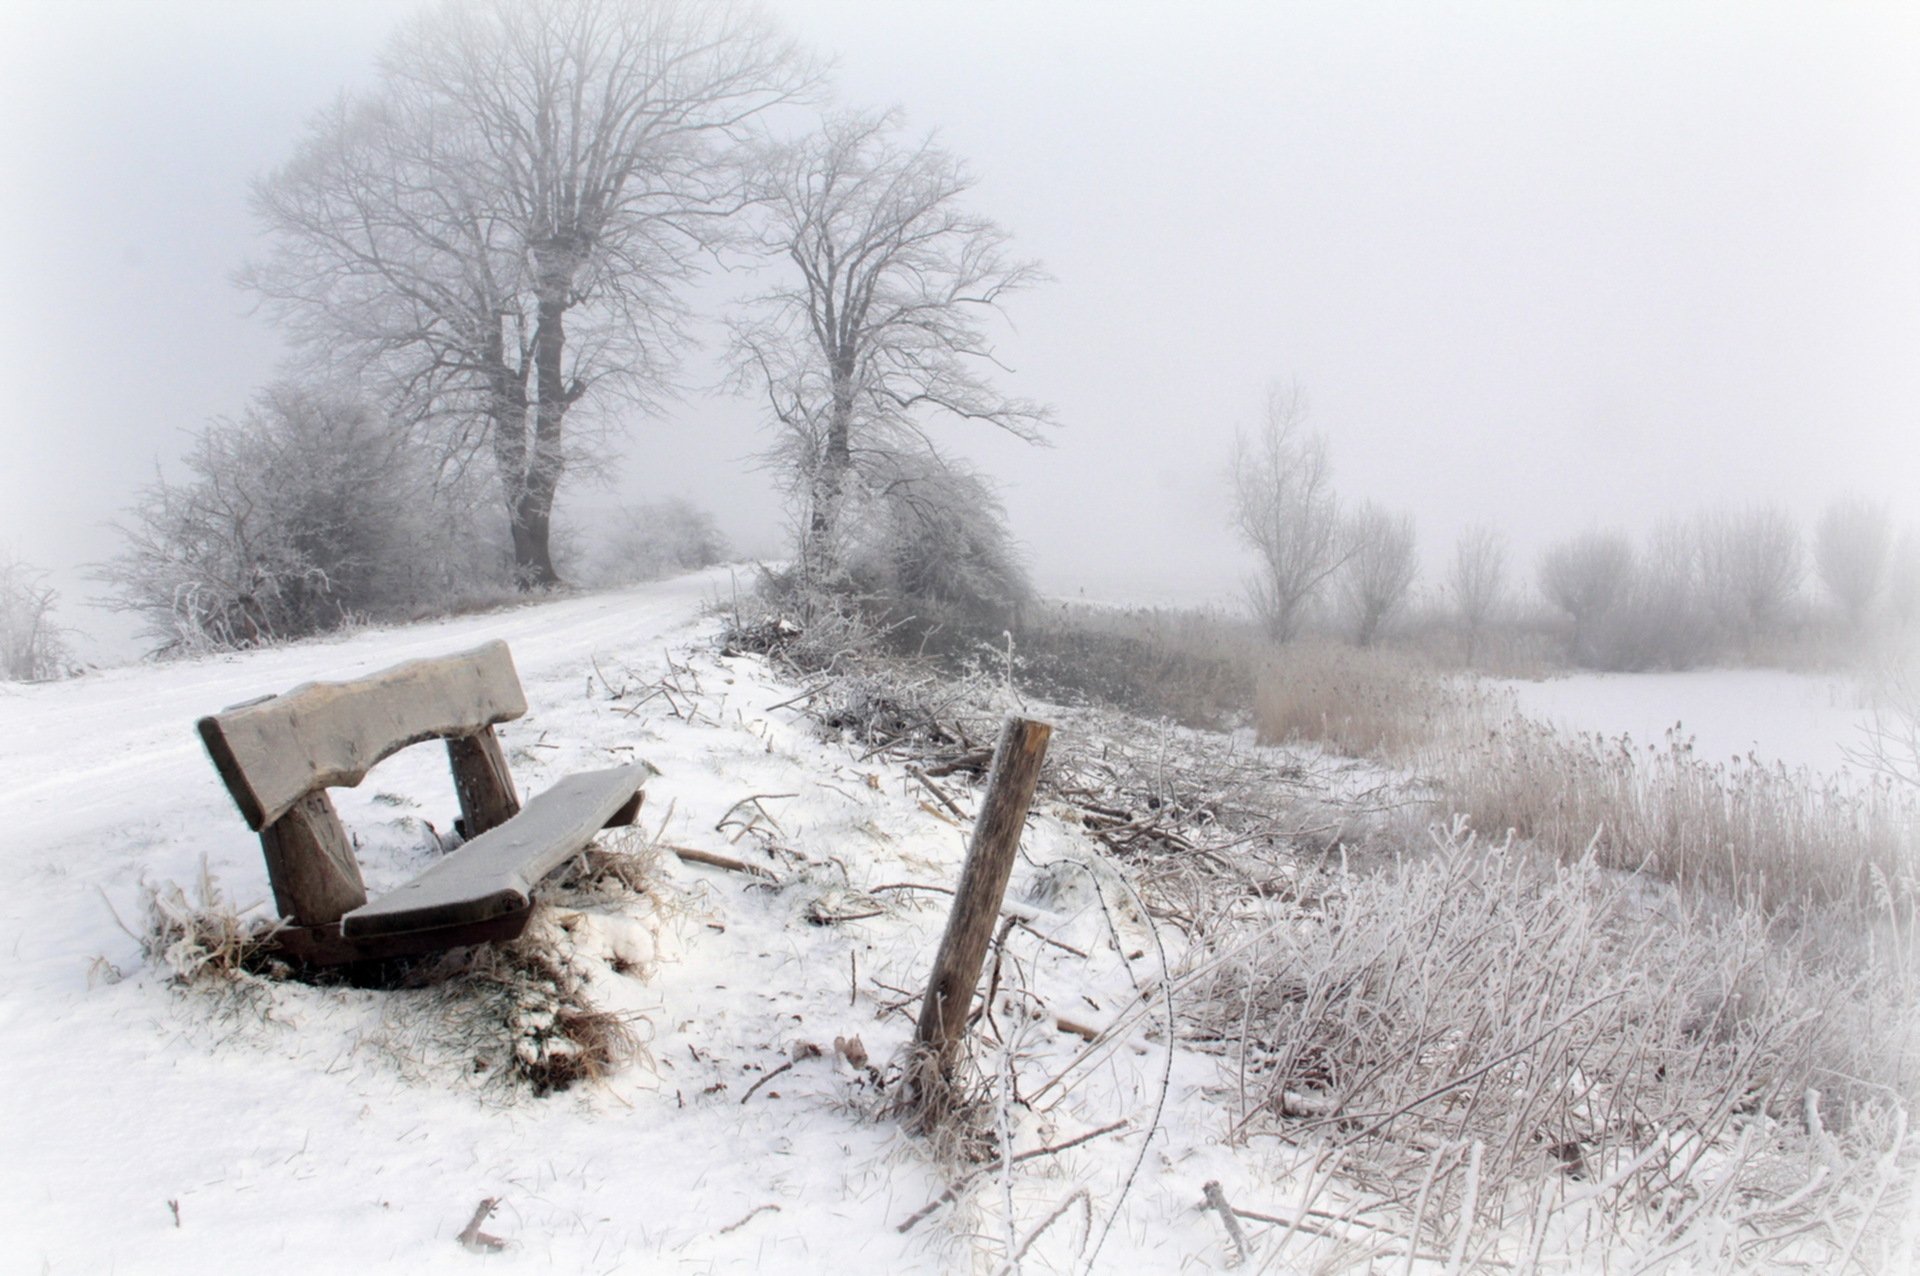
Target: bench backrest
280	755
274	752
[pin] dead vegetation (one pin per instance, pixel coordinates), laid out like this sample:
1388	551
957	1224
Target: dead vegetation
522	1014
1544	1048
523	1011
206	943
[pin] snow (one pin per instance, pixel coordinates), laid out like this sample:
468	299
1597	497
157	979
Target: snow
1772	715
154	1129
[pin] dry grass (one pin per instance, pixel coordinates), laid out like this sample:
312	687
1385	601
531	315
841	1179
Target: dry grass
206	942
1498	1050
1766	837
1362	703
1196	668
521	1013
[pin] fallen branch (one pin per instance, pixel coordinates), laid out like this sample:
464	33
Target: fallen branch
941	794
716	860
1217	1202
751	1214
476	1240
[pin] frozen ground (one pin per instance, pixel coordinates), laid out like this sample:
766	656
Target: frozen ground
292	1128
147	1129
1776	716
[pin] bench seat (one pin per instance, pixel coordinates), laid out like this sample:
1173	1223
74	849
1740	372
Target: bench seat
494	874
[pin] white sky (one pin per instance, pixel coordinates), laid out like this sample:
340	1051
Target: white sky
1549	265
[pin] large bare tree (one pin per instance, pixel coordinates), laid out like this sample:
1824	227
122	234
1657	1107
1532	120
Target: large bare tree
497	231
1285	509
879	325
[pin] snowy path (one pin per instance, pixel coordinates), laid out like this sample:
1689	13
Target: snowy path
104	778
304	1128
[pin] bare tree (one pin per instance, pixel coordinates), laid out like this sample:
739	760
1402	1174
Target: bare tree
1852	544
1903	578
1754	565
32	646
1380	567
499	229
1586	576
1477	581
881	324
1285	509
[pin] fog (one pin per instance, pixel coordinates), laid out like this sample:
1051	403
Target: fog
1551	267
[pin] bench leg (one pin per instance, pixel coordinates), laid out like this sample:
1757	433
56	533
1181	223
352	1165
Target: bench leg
314	874
481	778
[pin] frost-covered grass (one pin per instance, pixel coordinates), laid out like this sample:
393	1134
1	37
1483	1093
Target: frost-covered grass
1766	836
1521	1062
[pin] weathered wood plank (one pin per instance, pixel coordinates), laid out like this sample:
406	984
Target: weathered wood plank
481	778
496	872
310	863
326	946
274	752
1021	749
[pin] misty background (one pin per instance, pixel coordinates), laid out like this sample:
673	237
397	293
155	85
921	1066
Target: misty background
1546	267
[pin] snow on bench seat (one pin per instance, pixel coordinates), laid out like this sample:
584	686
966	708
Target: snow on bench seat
495	873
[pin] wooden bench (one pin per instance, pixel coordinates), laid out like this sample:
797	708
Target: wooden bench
279	756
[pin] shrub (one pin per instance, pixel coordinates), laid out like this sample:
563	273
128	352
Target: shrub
308	510
927	537
1195	668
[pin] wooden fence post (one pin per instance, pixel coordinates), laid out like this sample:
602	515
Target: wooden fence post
976	909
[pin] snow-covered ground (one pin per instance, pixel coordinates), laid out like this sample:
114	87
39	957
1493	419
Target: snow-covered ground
147	1128
294	1128
1772	715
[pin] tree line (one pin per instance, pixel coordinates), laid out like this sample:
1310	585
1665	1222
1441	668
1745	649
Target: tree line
483	263
1722	584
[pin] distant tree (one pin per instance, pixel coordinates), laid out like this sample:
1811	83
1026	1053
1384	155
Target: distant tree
1903	578
879	327
32	646
1852	546
1753	561
307	510
1476	581
1380	567
1586	576
1285	509
495	234
657	538
1660	620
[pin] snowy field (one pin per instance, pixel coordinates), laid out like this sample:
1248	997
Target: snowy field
1772	715
295	1128
150	1129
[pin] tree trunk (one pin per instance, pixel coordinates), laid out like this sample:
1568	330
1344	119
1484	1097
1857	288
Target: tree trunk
830	484
533	513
